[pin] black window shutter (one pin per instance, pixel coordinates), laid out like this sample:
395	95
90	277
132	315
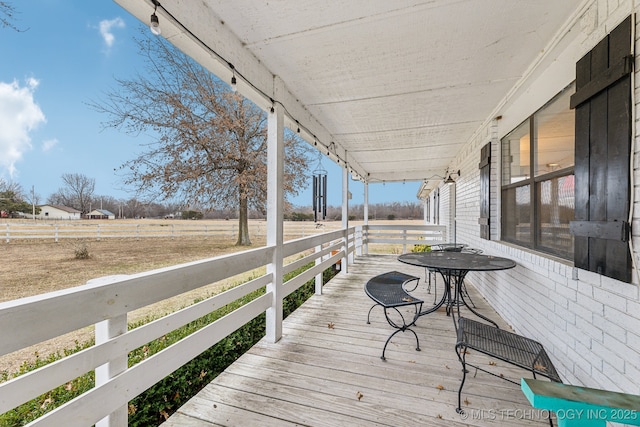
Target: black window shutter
602	153
485	191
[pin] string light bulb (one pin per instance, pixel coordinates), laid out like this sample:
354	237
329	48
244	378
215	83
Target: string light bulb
154	26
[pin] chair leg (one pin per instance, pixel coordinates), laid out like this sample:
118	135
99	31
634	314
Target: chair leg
427	276
464	289
369	314
463	361
435	287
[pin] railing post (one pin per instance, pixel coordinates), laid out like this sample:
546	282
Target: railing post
98	231
106	330
319	278
55	234
404	241
365	239
8	236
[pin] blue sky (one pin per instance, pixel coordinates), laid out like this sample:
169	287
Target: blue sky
69	54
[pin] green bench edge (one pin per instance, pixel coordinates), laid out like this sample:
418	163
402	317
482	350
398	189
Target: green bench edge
582	406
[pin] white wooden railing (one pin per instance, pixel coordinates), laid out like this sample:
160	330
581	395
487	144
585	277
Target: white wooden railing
97	230
403	235
106	302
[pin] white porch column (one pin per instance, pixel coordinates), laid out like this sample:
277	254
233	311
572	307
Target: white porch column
425	211
275	216
452	209
345	215
365	232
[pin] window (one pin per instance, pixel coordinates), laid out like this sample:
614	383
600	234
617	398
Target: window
538	181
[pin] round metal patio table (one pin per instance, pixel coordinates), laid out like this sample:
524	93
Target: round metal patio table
454	266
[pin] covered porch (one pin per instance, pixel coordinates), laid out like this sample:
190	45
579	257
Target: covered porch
415	91
326	369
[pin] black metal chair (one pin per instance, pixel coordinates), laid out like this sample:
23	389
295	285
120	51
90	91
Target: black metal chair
503	345
388	290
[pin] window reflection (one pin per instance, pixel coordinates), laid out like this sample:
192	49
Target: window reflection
554	130
550	177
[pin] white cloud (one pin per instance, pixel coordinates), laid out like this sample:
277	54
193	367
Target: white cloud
48	144
19	115
106	26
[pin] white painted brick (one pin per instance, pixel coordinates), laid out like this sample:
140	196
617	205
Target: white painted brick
609	353
620	288
558	345
612	5
566	292
585	329
560	324
581	364
567	315
582	314
594	306
633	341
618	380
629	323
558	278
601	380
612	330
633	308
560	304
589	277
633	373
580	377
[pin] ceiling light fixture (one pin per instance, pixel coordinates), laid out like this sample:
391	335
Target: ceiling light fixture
154	26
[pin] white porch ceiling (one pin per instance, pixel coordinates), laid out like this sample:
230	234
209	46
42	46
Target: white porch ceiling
399	86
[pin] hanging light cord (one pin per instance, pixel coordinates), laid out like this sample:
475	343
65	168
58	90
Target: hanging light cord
238	74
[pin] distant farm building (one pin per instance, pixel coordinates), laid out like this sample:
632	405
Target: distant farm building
58	212
101	214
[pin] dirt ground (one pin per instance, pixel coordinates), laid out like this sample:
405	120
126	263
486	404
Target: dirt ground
34	267
29	268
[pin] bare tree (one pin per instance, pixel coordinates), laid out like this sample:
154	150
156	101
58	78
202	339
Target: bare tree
210	149
77	192
8	15
13	187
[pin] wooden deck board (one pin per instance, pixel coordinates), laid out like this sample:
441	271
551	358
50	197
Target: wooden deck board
326	370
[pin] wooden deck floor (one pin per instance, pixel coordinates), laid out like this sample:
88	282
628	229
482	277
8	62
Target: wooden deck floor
327	371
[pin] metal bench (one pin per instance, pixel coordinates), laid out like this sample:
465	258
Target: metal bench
388	291
503	345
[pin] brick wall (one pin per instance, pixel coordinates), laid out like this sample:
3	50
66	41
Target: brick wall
589	323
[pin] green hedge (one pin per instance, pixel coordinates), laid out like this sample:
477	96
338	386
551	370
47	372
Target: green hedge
156	404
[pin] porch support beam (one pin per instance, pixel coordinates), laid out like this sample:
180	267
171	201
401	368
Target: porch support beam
345	216
275	216
365	245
